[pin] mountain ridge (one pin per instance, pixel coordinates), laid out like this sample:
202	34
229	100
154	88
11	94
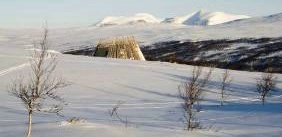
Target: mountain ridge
199	18
138	18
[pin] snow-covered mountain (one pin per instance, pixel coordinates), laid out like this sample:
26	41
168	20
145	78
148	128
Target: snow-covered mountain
178	19
204	18
122	20
196	18
266	19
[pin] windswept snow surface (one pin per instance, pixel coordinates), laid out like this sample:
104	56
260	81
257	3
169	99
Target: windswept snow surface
123	20
148	92
205	18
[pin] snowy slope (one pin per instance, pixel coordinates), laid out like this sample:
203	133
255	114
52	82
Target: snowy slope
138	18
178	19
267	19
205	18
151	33
269	26
148	91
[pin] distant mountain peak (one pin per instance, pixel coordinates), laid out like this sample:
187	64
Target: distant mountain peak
256	20
123	20
201	18
205	18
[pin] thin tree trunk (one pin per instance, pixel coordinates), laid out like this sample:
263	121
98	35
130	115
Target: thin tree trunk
190	118
222	96
29	124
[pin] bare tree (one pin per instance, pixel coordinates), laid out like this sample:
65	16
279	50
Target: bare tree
266	84
190	93
114	114
225	82
38	92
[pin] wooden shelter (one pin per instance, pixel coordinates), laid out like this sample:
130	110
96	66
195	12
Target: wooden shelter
119	47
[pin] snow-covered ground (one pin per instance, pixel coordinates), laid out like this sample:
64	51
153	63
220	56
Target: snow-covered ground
146	34
148	90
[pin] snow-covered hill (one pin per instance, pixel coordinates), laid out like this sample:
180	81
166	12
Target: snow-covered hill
148	91
196	18
267	19
138	18
223	53
269	26
205	18
178	19
148	34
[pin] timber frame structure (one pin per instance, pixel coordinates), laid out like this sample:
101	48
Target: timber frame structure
119	47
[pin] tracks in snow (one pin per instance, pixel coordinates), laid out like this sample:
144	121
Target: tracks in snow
14	68
11	69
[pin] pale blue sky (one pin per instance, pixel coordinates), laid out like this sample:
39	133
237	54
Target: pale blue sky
70	13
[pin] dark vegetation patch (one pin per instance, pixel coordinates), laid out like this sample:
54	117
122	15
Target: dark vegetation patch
249	54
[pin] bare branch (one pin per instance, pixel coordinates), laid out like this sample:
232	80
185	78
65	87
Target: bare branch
225	82
190	93
38	92
265	85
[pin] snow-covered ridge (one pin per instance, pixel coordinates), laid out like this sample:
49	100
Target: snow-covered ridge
265	19
205	18
122	20
196	18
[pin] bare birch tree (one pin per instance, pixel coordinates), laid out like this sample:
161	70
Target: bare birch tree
114	113
225	82
190	93
265	85
38	91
